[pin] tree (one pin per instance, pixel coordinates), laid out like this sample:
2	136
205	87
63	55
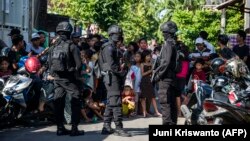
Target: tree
190	24
171	5
103	12
142	18
137	17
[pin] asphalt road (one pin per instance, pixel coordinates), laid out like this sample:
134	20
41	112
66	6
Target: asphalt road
138	127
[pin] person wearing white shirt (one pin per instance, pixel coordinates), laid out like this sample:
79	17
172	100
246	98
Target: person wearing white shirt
204	36
34	46
201	52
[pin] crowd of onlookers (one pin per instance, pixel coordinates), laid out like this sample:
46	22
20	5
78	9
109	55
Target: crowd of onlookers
139	93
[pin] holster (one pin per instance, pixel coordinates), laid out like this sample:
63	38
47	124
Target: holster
107	77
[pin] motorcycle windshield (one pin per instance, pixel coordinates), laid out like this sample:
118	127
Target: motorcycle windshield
16	83
12	81
23	84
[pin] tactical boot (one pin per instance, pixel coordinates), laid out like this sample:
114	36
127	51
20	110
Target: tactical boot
75	131
61	130
106	130
121	132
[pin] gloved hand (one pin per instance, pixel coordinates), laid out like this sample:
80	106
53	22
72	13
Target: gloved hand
156	79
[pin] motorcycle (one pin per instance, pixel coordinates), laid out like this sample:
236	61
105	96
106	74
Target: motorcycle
237	107
16	93
235	101
193	110
18	96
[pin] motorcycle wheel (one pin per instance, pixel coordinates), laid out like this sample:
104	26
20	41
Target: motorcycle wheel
10	113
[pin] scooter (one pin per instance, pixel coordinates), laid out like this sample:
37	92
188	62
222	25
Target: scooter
238	112
193	110
16	93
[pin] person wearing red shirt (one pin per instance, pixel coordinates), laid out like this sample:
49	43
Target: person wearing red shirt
198	73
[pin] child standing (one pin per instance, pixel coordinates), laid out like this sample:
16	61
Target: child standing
198	73
136	69
87	69
5	71
147	89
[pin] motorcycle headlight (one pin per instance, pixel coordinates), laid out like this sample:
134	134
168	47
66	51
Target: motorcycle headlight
8	91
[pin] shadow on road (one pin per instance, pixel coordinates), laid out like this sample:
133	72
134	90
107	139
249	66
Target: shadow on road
43	134
137	131
32	135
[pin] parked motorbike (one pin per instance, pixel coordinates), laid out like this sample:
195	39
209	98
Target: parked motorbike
16	94
193	110
235	100
237	107
198	112
17	98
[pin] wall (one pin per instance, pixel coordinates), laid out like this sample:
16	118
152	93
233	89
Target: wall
14	14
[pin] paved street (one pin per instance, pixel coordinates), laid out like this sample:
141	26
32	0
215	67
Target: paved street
138	127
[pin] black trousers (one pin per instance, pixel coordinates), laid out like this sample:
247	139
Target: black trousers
36	88
69	87
114	104
167	99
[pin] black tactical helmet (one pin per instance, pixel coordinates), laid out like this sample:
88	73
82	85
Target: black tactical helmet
169	27
216	65
64	27
220	82
114	29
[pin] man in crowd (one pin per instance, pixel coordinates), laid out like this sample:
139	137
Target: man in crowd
75	37
242	50
225	52
201	51
92	40
42	38
16	52
204	36
34	46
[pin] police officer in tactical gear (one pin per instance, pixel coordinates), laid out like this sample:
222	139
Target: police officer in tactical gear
109	60
165	73
65	82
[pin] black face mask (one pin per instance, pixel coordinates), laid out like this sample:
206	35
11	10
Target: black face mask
115	37
169	36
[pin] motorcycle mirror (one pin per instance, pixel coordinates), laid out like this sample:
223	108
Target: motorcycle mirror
22	71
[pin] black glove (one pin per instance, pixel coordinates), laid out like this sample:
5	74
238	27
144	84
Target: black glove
156	79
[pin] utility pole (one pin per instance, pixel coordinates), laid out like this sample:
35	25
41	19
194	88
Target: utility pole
30	18
223	20
247	14
3	18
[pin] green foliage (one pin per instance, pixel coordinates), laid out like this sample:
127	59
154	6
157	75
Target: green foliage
141	18
191	23
137	17
235	21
